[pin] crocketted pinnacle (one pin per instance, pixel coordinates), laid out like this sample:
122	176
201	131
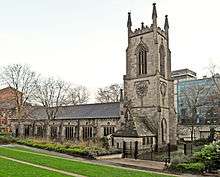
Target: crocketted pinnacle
129	23
166	24
154	14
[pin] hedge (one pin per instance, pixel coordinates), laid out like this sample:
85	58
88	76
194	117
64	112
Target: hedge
75	150
193	167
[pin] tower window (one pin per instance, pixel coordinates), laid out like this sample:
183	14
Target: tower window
162	60
142	61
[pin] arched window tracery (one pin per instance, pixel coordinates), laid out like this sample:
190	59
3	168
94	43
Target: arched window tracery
141	53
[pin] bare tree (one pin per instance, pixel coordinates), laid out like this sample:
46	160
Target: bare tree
22	81
215	77
214	112
108	94
52	94
78	95
194	97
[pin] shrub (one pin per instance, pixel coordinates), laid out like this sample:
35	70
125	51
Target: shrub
194	167
7	140
179	157
210	156
104	141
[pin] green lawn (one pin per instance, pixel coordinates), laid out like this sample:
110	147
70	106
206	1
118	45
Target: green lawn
9	168
77	167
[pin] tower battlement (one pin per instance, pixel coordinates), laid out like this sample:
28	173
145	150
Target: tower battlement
146	29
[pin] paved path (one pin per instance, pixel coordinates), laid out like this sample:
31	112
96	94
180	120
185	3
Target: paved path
43	167
158	166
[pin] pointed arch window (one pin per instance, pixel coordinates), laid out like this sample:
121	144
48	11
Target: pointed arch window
162	60
141	53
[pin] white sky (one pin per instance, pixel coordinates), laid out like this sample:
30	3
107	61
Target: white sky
84	41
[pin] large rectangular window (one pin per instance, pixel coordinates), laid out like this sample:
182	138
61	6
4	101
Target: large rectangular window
27	130
70	132
40	131
149	140
108	130
87	132
53	132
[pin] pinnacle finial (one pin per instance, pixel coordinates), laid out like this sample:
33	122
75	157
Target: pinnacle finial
154	14
166	24
129	23
142	25
121	95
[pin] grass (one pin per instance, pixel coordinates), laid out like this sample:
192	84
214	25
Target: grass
82	168
14	169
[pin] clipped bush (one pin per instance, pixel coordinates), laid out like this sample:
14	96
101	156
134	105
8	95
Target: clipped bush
75	150
193	167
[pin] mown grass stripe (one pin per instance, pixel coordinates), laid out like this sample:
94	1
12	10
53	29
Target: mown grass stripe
42	167
46	153
77	167
11	168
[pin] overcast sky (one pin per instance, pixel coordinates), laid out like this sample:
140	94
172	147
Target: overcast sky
84	41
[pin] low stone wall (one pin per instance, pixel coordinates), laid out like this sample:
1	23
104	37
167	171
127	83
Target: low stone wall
113	156
200	131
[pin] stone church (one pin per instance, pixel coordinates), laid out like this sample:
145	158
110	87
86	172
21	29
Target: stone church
145	112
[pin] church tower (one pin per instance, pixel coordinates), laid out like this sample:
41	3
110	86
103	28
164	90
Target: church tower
148	87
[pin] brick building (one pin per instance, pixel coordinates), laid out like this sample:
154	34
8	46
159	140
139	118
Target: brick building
7	107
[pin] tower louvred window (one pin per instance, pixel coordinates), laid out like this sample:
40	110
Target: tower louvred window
162	61
142	60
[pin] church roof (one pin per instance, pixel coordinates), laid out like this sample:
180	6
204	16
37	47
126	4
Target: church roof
127	130
133	128
98	110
